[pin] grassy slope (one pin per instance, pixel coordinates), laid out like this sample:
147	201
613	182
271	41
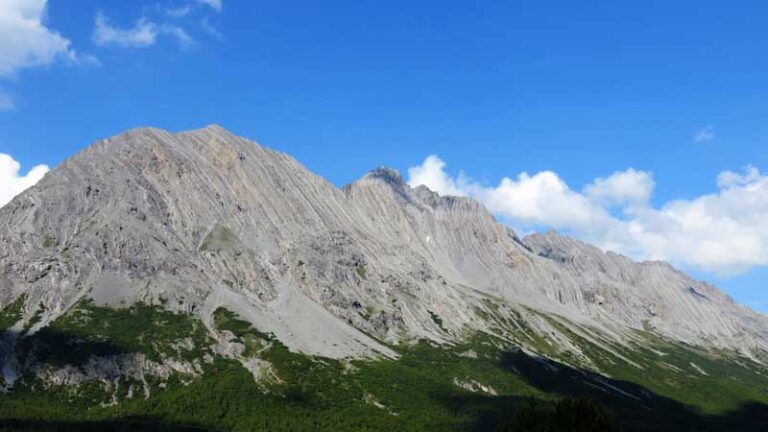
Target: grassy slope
416	392
12	313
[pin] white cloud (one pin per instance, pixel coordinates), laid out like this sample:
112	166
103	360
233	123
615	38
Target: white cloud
12	182
215	4
143	34
431	174
622	187
539	199
206	26
728	179
172	21
180	11
188	7
25	41
181	36
723	232
527	201
704	135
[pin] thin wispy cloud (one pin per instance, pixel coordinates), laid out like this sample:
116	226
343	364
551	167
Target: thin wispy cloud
209	29
215	4
724	232
171	21
704	135
182	38
142	34
186	8
179	11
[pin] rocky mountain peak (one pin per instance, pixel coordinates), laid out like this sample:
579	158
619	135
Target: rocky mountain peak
388	175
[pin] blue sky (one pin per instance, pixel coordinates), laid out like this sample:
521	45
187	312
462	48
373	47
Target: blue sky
567	93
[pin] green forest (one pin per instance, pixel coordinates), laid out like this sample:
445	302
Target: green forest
483	384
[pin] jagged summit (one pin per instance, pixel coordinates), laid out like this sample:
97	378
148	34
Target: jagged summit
214	128
201	219
386	174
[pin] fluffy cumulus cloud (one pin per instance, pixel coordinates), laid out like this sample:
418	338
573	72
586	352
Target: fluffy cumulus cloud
724	232
539	199
12	182
525	202
431	174
25	41
622	187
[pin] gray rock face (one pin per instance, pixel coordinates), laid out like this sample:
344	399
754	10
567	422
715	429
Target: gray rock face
202	219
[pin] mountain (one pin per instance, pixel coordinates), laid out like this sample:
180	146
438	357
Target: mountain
152	262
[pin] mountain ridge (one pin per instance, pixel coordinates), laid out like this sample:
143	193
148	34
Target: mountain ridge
141	205
199	280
